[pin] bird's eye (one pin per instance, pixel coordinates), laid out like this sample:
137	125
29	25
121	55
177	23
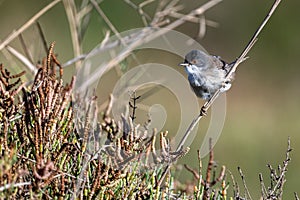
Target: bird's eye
187	62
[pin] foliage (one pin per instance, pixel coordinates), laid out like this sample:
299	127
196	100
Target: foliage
47	154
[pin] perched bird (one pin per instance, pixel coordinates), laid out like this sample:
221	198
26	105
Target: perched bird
206	73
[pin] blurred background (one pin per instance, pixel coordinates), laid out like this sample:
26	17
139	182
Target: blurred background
263	104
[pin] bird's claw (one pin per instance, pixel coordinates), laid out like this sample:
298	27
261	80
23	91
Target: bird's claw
203	111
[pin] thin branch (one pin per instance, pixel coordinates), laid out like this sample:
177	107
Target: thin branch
22	58
199	11
202	26
8	186
253	39
74	25
193	171
244	183
16	33
141	11
280	179
136	39
144	15
193	19
45	44
296	196
236	189
107	21
240	59
25	49
262	186
84	11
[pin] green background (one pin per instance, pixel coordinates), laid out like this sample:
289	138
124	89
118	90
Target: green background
264	102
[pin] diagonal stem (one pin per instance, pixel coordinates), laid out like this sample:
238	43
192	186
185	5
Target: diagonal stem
207	104
239	60
32	20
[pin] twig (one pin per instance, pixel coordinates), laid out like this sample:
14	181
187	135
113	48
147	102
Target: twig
207	182
8	186
239	60
144	15
16	33
74	25
107	21
263	187
25	49
235	64
199	11
193	171
135	39
210	163
85	10
45	45
244	183
193	19
145	35
202	26
296	196
280	180
141	11
133	105
236	189
22	58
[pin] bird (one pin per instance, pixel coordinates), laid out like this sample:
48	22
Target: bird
207	73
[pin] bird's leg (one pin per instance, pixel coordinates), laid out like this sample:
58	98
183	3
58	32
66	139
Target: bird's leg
203	111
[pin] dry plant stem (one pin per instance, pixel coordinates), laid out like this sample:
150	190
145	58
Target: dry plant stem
194	19
139	8
239	60
8	186
262	185
25	49
16	33
207	182
42	35
275	190
210	163
107	21
284	169
194	172
296	196
74	27
141	11
244	183
27	60
236	189
22	58
137	39
196	120
195	12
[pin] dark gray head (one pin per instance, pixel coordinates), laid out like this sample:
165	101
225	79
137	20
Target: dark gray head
206	73
198	58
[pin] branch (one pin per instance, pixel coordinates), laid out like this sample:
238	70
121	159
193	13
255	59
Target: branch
235	64
136	39
16	33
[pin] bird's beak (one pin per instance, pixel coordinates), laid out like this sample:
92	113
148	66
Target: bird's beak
184	64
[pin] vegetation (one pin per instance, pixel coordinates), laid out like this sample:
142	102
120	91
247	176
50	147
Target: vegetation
44	156
52	148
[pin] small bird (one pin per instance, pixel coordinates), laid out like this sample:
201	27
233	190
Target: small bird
206	73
